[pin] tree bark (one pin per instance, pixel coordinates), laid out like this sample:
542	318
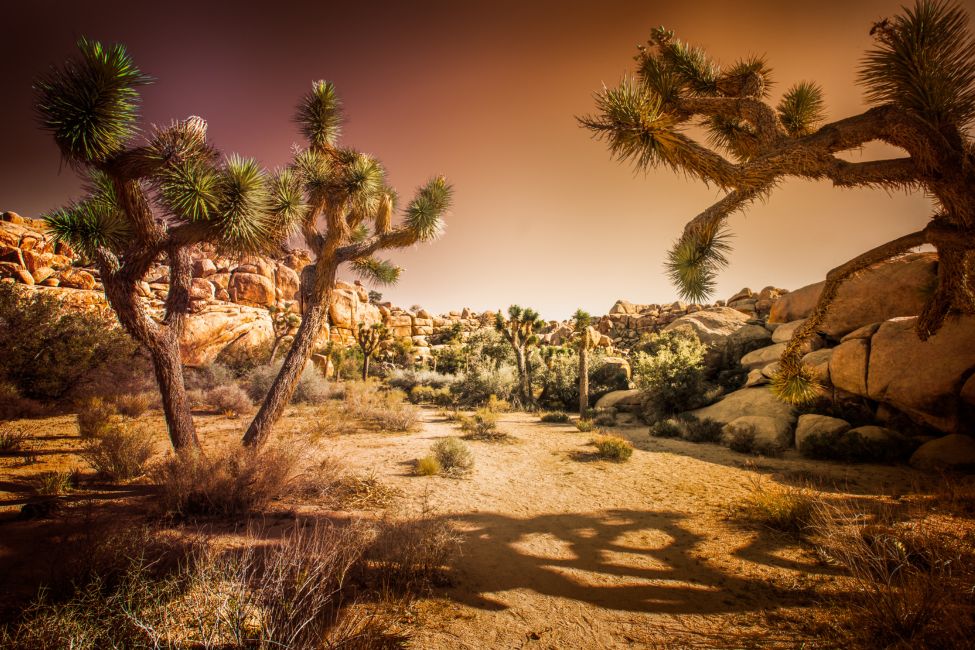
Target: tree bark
312	323
583	379
365	367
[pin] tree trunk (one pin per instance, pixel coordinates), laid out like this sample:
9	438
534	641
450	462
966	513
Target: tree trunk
522	376
312	323
583	380
274	350
365	367
168	366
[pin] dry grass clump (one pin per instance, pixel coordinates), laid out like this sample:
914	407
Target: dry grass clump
133	405
450	454
613	448
783	508
95	417
328	420
496	405
339	489
119	453
482	425
229	483
12	438
55	483
912	584
229	399
319	586
387	410
585	426
555	417
427	466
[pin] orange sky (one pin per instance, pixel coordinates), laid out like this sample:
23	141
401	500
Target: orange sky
486	93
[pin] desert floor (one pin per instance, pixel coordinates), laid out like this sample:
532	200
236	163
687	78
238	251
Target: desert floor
560	550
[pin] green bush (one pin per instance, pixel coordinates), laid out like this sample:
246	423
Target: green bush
95	417
481	381
430	395
585	425
118	453
671	374
556	417
453	455
559	377
613	448
482	425
407	380
702	430
665	429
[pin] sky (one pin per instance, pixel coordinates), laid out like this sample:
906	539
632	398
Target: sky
486	93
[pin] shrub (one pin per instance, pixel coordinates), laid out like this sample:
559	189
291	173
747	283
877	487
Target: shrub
12	438
482	380
605	417
340	489
665	429
585	425
851	447
784	508
427	466
133	405
407	380
556	417
387	410
613	448
95	417
431	395
743	439
559	378
241	360
312	387
671	374
482	425
118	453
411	555
229	399
13	406
453	455
55	483
495	405
702	430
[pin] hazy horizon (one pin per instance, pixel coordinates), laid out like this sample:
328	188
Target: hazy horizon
487	94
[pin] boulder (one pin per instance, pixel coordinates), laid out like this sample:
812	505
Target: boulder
201	289
818	364
924	379
218	326
783	333
771	433
624	400
756	378
24	276
892	289
613	371
747	401
816	426
848	366
251	289
261	265
763	356
287	282
951	452
725	331
77	279
203	268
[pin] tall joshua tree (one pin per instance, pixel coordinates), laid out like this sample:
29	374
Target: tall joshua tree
369	338
920	79
149	202
583	341
346	218
520	331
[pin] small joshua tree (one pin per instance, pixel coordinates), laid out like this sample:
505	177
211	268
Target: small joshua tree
583	341
283	320
370	338
150	202
345	218
920	78
520	331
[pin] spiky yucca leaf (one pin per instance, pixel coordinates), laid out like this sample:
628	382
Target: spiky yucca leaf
801	108
90	105
425	213
692	65
634	124
314	169
795	384
243	219
924	61
581	320
319	115
377	271
286	201
88	226
695	259
658	77
361	182
736	136
191	190
182	140
748	77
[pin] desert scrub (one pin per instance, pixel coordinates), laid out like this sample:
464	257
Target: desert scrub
312	388
783	508
431	395
331	484
613	448
427	466
555	417
670	373
229	399
387	410
12	438
744	440
665	429
482	425
495	405
132	405
701	429
55	483
604	417
230	482
120	453
95	417
453	455
585	425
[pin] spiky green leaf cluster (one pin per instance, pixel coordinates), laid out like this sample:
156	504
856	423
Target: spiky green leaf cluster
361	181
319	115
801	108
696	258
191	190
425	213
924	62
90	105
287	201
795	384
377	271
243	219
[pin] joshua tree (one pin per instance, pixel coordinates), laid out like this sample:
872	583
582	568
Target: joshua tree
346	217
283	321
149	202
369	339
583	342
519	329
920	78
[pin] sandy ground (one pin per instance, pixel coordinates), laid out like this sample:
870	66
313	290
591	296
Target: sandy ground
559	550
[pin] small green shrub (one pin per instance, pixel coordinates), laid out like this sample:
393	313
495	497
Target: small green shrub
95	417
453	455
55	483
585	425
665	429
613	448
427	466
745	441
120	454
430	395
605	417
229	399
482	425
671	373
12	438
702	430
555	417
